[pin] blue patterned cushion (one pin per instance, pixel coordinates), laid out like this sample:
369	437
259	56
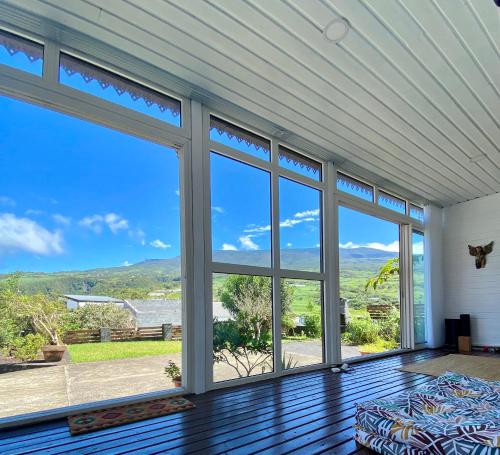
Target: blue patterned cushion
452	415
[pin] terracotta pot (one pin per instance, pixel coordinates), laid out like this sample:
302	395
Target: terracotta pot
53	353
365	353
177	382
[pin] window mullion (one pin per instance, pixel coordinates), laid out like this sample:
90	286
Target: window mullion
275	247
51	62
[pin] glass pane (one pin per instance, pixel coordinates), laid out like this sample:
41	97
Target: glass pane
93	246
369	283
21	53
355	187
239	138
417	212
391	202
242	326
418	287
241	212
300	226
299	163
301	323
111	87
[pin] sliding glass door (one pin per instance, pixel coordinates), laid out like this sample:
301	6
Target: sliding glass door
370	306
419	313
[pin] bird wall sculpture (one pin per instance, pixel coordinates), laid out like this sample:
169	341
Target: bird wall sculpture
480	252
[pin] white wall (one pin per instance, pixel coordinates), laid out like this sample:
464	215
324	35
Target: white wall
433	253
467	290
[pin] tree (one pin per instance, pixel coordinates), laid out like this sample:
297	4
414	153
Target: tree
45	314
386	272
245	342
97	316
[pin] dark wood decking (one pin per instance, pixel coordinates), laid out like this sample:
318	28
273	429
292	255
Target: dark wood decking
305	413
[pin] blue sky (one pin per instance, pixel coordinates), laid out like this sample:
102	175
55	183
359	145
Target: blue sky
75	196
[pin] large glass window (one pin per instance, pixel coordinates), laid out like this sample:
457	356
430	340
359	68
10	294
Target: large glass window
90	262
249	271
369	283
97	81
20	53
242	326
241	212
301	323
391	202
419	315
354	187
300	226
239	138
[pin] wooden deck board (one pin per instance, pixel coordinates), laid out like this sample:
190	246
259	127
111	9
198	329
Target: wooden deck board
306	413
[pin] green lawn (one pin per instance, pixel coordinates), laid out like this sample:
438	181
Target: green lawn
94	352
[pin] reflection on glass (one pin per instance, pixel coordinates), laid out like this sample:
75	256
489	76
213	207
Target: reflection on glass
299	163
241	212
369	283
90	262
391	202
417	212
354	187
301	323
112	87
300	226
239	138
21	53
242	326
418	287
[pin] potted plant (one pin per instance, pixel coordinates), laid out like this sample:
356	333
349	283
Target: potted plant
46	317
174	373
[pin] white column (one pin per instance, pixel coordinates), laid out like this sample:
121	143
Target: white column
433	257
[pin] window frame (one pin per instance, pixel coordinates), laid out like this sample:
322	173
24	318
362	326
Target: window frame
48	93
274	271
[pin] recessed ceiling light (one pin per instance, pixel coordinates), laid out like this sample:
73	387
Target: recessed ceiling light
477	158
336	30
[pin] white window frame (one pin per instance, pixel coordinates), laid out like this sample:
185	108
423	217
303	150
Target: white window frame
47	92
274	271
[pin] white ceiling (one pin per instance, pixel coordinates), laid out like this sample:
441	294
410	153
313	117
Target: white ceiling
411	94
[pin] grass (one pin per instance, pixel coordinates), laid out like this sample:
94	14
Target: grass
95	352
379	346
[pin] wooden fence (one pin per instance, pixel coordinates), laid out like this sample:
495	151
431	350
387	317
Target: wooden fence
162	332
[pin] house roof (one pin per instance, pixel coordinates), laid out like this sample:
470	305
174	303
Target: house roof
92	298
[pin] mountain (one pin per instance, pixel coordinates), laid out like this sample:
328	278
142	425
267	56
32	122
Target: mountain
150	274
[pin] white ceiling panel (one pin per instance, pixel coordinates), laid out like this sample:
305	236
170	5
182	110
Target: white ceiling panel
410	95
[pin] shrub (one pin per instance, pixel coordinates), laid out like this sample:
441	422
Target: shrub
288	323
312	325
362	331
94	316
390	328
28	347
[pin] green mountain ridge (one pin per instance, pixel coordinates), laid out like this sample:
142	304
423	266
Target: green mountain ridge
136	280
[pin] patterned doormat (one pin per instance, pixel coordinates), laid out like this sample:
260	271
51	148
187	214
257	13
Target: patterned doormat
119	415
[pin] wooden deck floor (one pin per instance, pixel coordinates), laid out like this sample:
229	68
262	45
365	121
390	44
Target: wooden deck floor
305	413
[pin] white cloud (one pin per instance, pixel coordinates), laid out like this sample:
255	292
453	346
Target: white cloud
115	222
289	244
159	244
418	248
177	192
247	243
307	213
228	247
126	264
61	219
5	200
390	247
23	234
217	209
349	245
96	223
258	229
93	222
